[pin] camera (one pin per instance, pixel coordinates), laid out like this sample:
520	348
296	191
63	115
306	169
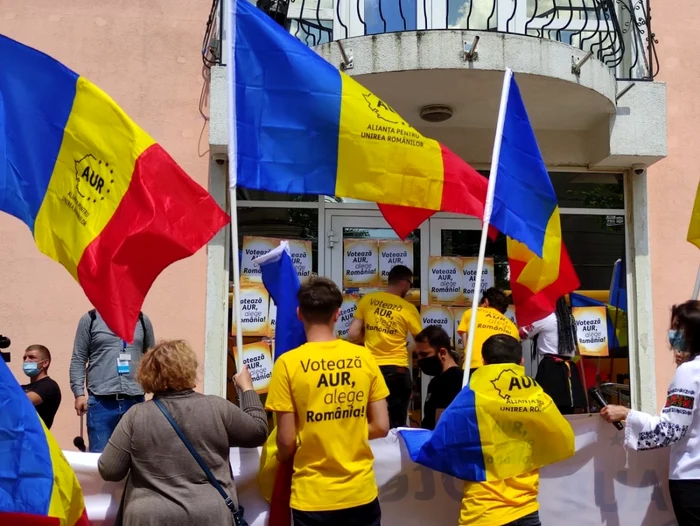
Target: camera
4	344
638	169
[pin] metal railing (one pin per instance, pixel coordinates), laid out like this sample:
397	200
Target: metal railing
616	32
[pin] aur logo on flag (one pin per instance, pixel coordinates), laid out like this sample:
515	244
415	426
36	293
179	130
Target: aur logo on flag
381	109
91	174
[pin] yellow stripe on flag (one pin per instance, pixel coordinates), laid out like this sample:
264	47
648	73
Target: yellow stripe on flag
694	227
539	273
381	158
96	161
67	503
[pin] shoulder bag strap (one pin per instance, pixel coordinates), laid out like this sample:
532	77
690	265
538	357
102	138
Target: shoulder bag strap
200	461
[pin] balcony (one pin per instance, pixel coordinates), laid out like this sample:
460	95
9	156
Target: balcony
585	68
616	32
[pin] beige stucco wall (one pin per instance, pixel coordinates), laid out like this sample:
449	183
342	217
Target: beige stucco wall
672	182
146	55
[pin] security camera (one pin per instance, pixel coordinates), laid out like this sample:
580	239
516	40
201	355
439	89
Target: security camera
219	158
638	169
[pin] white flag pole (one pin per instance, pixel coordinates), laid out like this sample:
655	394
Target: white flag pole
696	289
232	178
488	206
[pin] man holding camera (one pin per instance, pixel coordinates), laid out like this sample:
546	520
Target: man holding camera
111	364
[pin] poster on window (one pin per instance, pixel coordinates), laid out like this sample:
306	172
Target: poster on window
347	312
258	357
591	330
469	277
445	281
441	316
360	263
255	311
393	252
302	258
272	317
458	314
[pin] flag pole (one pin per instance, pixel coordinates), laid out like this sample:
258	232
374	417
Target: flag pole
488	206
232	180
696	289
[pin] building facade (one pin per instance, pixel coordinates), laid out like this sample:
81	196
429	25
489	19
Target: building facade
592	85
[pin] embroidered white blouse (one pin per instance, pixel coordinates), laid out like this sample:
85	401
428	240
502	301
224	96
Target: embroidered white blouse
678	425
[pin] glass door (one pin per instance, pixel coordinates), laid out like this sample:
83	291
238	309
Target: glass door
358	254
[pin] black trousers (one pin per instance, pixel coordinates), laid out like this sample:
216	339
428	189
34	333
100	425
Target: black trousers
398	380
365	515
685	497
560	378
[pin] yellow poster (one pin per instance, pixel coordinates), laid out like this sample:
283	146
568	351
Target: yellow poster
272	317
393	252
302	258
469	277
255	310
360	263
441	316
591	330
258	357
445	281
254	247
347	312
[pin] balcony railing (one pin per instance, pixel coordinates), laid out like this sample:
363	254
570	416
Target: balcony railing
616	32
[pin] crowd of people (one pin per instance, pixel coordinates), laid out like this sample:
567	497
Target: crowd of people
174	449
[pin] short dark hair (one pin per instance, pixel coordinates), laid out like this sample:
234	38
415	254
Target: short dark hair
399	273
319	299
502	348
437	338
497	299
43	350
688	316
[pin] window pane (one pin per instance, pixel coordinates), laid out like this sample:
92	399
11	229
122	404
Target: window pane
398	15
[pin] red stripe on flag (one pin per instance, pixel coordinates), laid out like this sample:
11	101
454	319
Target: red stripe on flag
164	216
404	219
83	520
531	307
26	519
280	510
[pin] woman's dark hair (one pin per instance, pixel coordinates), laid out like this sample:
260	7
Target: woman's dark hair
566	329
688	316
497	299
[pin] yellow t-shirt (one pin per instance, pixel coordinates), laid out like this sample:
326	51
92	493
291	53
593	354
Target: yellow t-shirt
328	385
388	319
488	322
498	503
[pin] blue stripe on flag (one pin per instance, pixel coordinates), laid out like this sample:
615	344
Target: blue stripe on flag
524	197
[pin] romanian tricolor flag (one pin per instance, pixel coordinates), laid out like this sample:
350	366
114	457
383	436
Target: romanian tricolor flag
300	126
37	485
99	194
525	209
500	426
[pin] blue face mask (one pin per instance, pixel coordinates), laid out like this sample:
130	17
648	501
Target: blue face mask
676	339
31	369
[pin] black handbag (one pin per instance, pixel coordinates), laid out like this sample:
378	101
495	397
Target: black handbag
237	512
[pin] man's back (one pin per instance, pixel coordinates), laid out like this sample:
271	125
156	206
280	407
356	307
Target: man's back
501	502
329	386
489	322
388	319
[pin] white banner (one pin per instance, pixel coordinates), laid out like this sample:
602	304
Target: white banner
602	484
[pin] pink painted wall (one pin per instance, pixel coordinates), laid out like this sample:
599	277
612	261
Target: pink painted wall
673	182
146	55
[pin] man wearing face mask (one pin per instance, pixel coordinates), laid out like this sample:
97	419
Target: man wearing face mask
384	320
41	390
437	359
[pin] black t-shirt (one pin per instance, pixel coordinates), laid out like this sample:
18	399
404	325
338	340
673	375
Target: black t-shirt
441	391
50	395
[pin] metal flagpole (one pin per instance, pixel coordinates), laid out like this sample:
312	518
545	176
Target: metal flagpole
488	206
232	179
696	289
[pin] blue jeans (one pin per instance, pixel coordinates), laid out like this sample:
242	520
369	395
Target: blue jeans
528	520
103	415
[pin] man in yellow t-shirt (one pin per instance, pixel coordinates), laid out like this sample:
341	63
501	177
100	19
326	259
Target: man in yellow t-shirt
385	319
510	502
490	320
330	394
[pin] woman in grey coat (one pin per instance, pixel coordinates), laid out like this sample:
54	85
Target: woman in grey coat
166	485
